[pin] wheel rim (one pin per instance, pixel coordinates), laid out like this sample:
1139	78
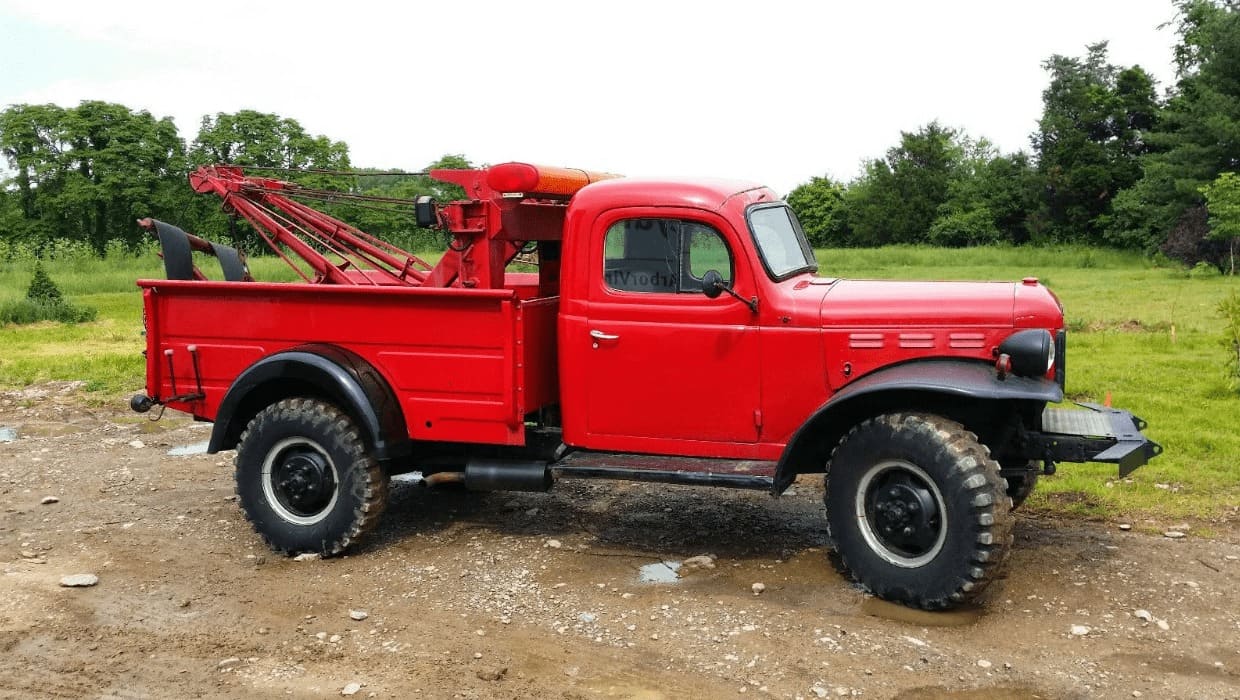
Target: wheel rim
901	513
300	481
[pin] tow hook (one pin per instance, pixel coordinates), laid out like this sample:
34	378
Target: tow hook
141	403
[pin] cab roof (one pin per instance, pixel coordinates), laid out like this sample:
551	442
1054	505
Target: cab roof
699	193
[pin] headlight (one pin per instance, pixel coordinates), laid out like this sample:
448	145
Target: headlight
1032	352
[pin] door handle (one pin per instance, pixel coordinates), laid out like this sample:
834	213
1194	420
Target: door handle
601	337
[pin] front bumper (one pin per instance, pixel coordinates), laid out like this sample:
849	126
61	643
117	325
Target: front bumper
1095	434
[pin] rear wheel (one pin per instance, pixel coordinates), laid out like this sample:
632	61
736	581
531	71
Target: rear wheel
917	510
304	479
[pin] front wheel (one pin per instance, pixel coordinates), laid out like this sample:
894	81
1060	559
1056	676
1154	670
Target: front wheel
917	510
304	479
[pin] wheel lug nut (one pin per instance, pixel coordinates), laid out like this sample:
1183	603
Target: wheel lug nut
908	531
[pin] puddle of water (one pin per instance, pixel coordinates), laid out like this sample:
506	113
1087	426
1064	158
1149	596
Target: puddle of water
922	618
197	448
659	572
8	434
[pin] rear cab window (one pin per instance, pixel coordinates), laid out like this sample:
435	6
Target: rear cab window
663	256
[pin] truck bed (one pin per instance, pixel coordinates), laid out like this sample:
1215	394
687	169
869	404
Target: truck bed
467	365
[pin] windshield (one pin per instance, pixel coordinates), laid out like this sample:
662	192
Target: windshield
783	247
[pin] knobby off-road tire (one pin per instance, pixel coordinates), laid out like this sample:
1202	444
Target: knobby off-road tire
917	510
305	480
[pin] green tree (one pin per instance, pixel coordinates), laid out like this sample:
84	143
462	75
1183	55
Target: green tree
819	205
990	198
119	162
88	172
395	222
1223	204
273	146
31	139
1089	140
897	198
1196	136
264	140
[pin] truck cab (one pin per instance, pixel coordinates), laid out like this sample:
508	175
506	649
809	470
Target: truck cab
677	331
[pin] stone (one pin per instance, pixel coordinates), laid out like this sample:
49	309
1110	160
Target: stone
358	615
587	617
1125	526
984	663
1080	630
137	444
1174	534
702	561
492	674
1163	625
79	581
819	691
308	556
49	500
351	689
554	544
228	664
1143	615
757	588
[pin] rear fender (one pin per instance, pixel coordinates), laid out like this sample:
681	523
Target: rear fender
325	371
945	387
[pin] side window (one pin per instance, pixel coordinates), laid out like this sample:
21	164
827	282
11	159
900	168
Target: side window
662	255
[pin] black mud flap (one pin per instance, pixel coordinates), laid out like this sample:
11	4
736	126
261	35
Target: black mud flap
178	260
178	256
1095	434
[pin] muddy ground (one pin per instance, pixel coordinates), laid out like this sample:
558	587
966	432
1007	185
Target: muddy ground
540	595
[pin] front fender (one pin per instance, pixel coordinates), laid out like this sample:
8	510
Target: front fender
333	373
911	386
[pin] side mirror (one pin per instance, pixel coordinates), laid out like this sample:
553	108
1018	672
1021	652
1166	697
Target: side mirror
712	284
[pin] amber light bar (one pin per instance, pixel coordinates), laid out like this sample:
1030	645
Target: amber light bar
541	179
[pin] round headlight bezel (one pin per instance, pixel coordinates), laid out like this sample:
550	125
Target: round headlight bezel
1032	352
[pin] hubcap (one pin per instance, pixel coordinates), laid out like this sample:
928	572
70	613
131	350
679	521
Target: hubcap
901	513
299	481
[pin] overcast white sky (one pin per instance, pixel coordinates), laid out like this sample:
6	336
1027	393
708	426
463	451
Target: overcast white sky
770	91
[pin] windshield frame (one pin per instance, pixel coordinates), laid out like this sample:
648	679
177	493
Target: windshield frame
802	241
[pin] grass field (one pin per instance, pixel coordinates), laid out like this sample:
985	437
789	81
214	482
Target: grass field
1146	335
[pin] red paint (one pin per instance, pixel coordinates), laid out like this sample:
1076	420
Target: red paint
471	352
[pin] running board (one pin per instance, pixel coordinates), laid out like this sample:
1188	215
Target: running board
691	471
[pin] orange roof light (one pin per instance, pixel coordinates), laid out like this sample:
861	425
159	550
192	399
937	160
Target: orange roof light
540	179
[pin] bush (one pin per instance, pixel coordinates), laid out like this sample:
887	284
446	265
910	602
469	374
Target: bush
25	311
43	302
42	288
1204	270
1190	242
1229	307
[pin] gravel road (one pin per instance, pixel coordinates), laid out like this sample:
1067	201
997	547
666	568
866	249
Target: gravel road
576	593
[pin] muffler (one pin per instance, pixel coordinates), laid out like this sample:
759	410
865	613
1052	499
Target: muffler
507	475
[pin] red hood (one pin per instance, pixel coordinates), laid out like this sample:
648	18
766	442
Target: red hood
882	303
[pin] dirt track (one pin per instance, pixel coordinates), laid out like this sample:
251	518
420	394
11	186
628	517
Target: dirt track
528	595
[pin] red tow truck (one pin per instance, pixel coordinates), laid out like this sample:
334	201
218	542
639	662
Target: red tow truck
676	331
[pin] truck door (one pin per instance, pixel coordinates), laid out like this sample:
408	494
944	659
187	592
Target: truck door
669	370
